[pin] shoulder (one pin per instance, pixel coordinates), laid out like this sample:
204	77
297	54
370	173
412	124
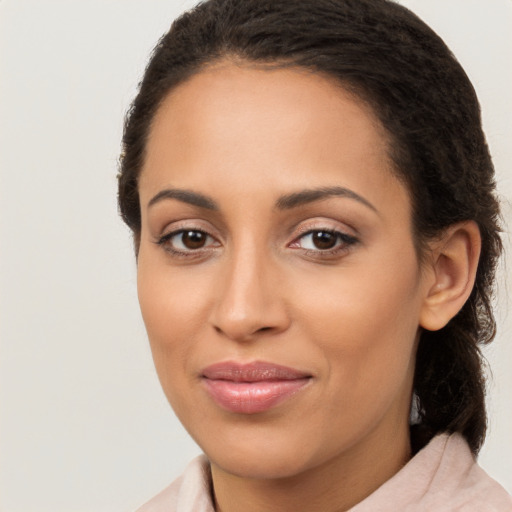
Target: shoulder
188	493
460	484
444	477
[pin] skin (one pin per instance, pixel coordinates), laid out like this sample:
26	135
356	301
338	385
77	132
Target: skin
261	290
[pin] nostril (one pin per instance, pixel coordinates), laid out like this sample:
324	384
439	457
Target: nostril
242	334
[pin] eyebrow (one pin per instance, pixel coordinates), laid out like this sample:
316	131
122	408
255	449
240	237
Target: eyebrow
316	194
185	196
286	202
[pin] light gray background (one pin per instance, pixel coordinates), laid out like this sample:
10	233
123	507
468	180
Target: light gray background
84	425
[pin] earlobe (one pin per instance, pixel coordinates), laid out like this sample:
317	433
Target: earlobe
454	263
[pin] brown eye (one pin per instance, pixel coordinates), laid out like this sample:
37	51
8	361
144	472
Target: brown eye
193	239
187	241
324	239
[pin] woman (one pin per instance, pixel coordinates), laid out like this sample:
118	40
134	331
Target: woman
313	210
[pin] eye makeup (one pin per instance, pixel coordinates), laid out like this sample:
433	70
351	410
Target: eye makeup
318	241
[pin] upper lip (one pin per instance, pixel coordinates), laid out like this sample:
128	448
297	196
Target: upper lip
252	372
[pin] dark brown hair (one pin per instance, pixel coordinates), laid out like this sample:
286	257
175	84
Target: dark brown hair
388	57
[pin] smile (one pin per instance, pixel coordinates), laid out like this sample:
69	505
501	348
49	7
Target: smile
252	388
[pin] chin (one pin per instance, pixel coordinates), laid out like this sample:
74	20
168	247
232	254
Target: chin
260	466
259	452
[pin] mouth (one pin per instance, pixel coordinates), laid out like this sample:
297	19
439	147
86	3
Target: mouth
254	387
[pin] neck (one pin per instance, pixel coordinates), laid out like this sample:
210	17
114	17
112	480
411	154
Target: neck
335	486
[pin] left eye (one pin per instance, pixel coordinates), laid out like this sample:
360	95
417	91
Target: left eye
323	240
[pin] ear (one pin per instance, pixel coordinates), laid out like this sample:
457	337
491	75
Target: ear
453	265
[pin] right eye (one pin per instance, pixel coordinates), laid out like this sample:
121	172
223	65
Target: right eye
187	241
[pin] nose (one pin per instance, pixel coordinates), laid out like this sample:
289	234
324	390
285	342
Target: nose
250	299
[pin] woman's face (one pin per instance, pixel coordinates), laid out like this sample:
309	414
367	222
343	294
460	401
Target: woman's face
277	274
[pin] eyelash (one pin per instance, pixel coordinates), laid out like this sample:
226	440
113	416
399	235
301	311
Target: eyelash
165	243
343	242
346	240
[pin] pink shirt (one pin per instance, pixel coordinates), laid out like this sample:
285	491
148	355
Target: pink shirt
442	477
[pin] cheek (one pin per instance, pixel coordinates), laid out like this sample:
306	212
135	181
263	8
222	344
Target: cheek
170	298
364	318
173	307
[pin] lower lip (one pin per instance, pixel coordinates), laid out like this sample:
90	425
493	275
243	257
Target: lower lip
252	397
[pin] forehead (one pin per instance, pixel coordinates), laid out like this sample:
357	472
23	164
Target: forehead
264	129
295	98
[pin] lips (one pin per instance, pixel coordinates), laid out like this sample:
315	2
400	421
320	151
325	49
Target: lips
252	388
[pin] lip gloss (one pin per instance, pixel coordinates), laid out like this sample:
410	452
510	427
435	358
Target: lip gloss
252	388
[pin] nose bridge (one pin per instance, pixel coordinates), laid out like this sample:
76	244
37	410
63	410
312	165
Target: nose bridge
248	300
